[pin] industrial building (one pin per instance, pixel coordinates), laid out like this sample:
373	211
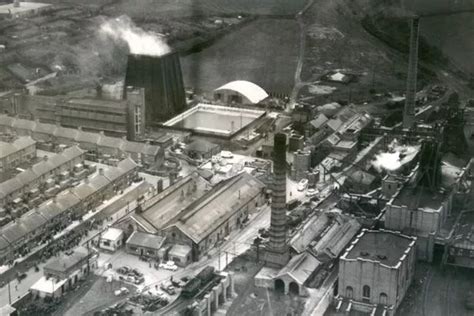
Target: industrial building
459	250
375	272
98	145
20	9
21	150
162	80
144	244
214	120
422	203
240	92
63	273
192	213
117	118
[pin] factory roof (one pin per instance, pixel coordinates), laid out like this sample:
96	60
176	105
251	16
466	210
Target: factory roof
300	267
250	90
319	121
209	212
145	240
174	200
330	231
64	263
363	177
386	247
334	124
419	196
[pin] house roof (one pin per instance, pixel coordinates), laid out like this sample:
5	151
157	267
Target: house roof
112	234
145	240
12	232
248	89
209	212
300	267
6	120
4	244
64	263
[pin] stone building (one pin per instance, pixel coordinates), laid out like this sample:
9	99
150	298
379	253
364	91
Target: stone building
376	271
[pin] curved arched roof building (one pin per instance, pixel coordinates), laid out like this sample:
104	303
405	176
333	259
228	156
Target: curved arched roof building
241	92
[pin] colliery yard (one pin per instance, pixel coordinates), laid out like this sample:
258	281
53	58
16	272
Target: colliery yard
235	158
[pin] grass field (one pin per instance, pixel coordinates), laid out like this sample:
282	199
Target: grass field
264	51
183	8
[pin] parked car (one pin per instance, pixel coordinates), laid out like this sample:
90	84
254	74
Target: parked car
168	288
121	291
137	273
311	192
226	154
139	279
302	185
124	270
169	265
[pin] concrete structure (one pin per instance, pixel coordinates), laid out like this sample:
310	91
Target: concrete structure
38	225
111	239
63	273
21	150
376	271
144	244
201	149
214	120
98	145
301	165
276	254
20	9
162	80
419	211
459	250
409	109
240	92
217	296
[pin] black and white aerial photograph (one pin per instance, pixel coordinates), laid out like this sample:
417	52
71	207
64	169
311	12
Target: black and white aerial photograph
237	157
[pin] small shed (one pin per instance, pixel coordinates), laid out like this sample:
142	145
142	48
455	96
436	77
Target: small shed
180	254
111	239
144	244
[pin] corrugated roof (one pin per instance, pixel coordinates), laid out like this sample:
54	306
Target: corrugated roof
246	88
216	206
300	267
4	244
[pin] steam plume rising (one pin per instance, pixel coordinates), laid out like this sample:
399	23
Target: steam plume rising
395	158
138	40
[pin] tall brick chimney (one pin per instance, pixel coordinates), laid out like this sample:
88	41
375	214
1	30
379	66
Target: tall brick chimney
276	254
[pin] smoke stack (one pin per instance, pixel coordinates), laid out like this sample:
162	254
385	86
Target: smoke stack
277	253
409	110
162	80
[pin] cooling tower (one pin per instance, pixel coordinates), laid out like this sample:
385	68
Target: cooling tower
162	80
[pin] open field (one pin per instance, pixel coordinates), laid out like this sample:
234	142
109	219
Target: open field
264	51
186	8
